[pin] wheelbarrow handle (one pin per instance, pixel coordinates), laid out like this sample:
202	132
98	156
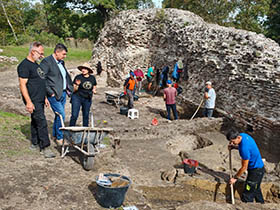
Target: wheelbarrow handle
91	119
61	119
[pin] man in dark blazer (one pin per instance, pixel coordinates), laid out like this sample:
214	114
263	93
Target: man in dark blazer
59	84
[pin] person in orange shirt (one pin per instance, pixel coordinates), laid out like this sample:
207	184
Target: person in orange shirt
129	86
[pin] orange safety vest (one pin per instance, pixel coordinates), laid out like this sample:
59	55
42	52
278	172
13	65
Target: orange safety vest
130	84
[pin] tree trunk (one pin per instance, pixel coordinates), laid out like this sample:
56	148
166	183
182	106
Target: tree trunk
2	4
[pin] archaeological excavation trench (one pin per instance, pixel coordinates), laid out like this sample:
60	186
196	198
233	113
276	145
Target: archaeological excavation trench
243	66
163	182
151	156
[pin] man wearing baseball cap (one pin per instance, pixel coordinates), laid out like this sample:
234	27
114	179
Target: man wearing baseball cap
210	98
169	96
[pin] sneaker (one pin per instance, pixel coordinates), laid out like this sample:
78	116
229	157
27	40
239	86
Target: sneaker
34	147
47	153
60	142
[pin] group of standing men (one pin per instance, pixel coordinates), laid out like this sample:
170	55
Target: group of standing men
49	84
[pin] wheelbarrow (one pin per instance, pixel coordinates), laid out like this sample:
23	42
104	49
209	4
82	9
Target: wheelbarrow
114	98
84	139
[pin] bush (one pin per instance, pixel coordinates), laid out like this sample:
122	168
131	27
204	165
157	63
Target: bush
23	39
48	39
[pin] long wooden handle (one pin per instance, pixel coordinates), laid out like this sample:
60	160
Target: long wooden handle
197	109
230	175
61	119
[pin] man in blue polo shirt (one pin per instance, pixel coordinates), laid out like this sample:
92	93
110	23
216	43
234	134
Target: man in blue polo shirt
251	161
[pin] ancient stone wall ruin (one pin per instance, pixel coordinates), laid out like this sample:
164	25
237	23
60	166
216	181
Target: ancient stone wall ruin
243	66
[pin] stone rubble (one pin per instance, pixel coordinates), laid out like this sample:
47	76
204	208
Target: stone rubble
243	66
5	59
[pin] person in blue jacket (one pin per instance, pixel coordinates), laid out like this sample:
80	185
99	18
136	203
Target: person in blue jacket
164	76
251	161
178	69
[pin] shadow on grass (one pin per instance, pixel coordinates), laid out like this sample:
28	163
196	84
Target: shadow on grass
25	130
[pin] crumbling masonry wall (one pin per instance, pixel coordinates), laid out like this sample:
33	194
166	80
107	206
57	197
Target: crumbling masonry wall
243	66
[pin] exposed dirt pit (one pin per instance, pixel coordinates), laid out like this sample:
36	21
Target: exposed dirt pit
28	181
265	133
174	196
188	142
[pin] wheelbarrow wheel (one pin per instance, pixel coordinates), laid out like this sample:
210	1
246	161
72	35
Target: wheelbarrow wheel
89	161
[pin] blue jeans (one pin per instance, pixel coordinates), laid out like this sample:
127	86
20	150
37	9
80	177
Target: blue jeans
174	110
58	106
78	101
208	112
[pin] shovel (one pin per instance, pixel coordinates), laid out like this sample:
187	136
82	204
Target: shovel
197	109
230	175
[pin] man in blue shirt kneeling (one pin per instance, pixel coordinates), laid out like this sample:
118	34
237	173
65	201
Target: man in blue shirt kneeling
251	161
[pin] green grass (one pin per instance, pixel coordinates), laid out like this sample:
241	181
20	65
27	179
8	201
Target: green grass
14	131
106	140
20	52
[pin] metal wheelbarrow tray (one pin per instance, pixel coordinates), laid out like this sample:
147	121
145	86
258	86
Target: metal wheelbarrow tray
113	98
84	139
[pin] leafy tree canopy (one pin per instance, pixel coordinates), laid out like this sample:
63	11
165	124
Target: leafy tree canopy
273	21
243	14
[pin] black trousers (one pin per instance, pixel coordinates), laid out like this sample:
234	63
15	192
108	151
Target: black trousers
39	127
252	190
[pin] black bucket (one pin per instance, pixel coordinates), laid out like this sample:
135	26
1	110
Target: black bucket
124	110
135	97
111	197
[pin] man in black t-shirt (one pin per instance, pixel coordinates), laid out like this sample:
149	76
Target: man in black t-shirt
33	89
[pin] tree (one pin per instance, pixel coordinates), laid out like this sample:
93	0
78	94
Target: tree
57	16
22	20
34	19
273	21
80	16
8	20
251	14
213	11
243	14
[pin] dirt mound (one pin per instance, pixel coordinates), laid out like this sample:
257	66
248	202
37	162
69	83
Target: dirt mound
28	181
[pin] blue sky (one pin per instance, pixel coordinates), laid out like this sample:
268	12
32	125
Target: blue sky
157	3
